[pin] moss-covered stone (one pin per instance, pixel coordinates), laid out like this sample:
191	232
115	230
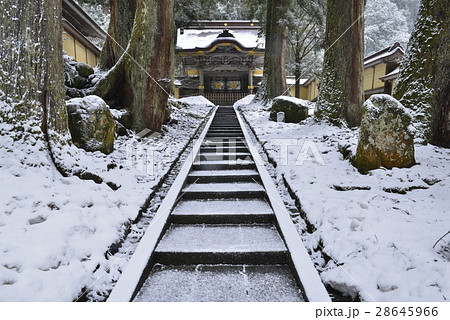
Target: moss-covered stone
295	110
386	138
91	124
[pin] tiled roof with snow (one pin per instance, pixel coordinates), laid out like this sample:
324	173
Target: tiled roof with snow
198	38
383	55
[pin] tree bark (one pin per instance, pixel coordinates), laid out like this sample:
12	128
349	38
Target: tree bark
119	32
341	93
142	77
440	129
297	74
423	81
275	53
31	72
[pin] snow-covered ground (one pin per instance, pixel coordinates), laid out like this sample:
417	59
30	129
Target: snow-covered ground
55	231
379	228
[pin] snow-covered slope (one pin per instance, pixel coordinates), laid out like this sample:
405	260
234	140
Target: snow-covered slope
380	228
55	231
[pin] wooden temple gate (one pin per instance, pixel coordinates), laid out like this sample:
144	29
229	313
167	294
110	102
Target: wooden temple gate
225	68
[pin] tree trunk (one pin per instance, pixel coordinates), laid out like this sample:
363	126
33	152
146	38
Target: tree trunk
423	81
141	79
298	74
440	130
341	92
275	54
298	66
119	32
31	72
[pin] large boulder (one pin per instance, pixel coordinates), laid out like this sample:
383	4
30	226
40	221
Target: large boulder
91	124
295	110
84	70
386	137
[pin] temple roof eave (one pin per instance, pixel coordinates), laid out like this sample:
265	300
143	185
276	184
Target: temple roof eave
222	41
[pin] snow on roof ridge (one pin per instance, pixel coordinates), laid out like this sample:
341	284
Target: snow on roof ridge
203	38
382	54
391	49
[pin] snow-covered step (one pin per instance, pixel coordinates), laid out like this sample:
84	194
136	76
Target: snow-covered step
224	130
221	149
223	190
225	156
225	126
225	134
223	206
223	164
233	283
233	143
202	176
223	211
222	244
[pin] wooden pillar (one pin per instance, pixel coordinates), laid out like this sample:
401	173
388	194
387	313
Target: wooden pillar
201	82
250	81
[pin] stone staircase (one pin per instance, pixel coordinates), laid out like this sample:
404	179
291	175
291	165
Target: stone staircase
222	243
222	239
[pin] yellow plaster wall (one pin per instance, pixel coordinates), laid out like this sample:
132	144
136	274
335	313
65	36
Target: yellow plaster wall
313	90
68	43
368	79
77	50
380	70
91	58
303	92
80	52
292	90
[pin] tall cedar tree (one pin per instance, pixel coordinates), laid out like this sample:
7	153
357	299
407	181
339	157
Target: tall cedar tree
141	78
275	54
423	82
31	73
119	32
341	92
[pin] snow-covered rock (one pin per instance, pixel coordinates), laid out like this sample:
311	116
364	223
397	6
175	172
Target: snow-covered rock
91	124
295	110
386	138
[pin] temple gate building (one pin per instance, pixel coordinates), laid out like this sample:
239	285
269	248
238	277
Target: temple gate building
222	60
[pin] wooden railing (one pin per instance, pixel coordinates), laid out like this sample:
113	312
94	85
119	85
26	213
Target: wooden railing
224	99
